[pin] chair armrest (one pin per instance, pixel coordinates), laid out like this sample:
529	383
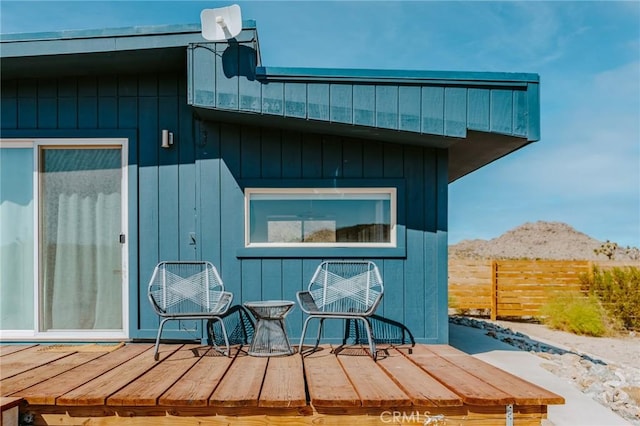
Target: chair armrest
155	305
306	302
223	303
374	305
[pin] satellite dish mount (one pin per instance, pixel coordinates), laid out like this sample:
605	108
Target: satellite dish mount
220	24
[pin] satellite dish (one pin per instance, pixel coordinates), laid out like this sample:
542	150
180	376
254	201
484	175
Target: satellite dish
222	23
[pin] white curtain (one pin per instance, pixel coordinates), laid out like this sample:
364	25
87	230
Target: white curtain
16	266
83	277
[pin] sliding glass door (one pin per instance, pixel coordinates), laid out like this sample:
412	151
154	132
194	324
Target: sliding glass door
79	256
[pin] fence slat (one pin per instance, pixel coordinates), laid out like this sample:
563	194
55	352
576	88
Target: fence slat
494	290
516	288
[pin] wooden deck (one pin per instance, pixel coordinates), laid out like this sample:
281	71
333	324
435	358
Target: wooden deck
193	384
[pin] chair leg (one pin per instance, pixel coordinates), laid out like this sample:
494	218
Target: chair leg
356	331
347	324
155	353
224	335
304	331
372	343
245	327
319	333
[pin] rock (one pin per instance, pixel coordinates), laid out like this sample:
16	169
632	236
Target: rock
620	375
620	396
596	388
633	392
586	382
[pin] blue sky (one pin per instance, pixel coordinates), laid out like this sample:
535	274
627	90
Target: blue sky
585	170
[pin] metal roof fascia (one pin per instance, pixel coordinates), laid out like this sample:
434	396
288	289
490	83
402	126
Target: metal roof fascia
533	108
100	33
397	76
102	40
112	32
54	47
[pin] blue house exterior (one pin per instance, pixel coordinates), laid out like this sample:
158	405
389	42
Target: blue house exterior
110	99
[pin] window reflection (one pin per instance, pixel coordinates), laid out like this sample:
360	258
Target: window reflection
321	216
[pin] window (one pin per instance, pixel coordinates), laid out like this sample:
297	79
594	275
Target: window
320	217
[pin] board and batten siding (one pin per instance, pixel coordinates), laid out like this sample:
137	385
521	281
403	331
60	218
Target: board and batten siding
229	154
162	199
187	203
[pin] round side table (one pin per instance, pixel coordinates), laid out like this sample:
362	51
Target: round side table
270	336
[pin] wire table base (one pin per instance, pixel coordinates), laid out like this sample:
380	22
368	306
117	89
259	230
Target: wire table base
270	337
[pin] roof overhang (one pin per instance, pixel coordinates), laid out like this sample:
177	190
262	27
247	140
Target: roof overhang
478	117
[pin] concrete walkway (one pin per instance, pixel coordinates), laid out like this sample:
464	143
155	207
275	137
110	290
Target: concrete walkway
579	409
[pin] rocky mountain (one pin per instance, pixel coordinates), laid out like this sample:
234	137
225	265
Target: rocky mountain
538	240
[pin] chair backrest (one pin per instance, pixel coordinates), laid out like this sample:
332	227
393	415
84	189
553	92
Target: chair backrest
186	288
346	286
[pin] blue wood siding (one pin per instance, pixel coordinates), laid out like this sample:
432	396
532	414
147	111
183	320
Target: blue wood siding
162	206
440	104
188	201
228	154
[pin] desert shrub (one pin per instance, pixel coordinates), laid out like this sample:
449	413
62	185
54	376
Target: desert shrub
453	301
576	313
454	304
619	291
608	249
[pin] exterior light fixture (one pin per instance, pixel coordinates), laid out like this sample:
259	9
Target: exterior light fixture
167	138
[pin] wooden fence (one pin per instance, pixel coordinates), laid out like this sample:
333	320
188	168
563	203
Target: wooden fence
515	288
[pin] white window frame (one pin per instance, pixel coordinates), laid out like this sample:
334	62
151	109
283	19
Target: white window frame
306	192
81	334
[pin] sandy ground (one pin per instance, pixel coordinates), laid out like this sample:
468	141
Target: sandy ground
624	350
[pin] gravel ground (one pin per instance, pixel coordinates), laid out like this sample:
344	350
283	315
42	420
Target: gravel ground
605	368
620	350
623	350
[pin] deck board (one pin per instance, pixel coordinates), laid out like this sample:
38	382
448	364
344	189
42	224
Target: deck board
197	385
9	349
44	372
19	362
372	384
328	385
47	392
283	384
423	389
147	389
471	389
99	389
241	385
525	393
